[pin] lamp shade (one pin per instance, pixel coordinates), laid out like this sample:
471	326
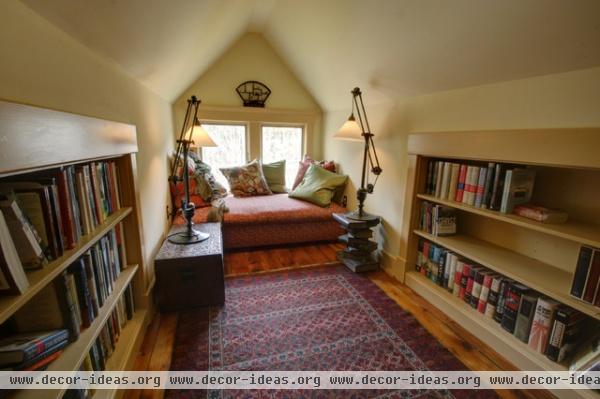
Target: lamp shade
350	130
200	137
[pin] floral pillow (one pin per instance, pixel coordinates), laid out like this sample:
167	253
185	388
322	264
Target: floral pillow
247	180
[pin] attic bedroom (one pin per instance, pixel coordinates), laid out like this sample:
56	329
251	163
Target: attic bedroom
299	199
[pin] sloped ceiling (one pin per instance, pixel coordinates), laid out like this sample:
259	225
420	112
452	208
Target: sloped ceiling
390	48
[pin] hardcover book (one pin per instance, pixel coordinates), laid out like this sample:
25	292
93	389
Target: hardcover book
23	347
492	302
566	331
542	323
584	262
593	277
511	306
460	187
503	293
489	182
518	188
454	174
480	187
525	316
488	277
12	275
541	214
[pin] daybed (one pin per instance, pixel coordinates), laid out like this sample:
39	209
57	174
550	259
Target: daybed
273	220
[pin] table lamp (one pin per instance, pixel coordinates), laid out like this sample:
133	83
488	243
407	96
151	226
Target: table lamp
192	135
361	131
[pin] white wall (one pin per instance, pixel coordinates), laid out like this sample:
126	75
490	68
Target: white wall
563	100
43	66
251	57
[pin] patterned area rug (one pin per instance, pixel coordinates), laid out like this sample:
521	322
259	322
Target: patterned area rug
316	319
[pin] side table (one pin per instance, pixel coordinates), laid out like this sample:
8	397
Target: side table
191	275
358	255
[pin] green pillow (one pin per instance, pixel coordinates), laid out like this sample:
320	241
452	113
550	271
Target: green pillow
275	176
318	186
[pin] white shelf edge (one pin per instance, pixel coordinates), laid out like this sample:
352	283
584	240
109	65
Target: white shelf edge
560	278
490	332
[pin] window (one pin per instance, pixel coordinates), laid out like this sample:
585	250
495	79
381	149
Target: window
283	142
230	150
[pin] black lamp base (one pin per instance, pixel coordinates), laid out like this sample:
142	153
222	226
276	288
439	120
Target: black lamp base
356	215
187	237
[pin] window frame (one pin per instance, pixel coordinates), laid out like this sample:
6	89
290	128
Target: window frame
281	124
246	125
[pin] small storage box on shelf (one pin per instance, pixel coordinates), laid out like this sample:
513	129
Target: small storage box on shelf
541	256
34	139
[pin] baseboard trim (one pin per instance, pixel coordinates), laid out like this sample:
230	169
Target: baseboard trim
393	265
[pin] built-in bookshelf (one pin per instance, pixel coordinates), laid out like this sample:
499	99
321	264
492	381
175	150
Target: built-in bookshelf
36	140
541	256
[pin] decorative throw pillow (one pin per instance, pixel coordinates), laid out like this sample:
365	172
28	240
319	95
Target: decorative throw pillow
318	186
247	180
207	186
275	176
178	195
305	163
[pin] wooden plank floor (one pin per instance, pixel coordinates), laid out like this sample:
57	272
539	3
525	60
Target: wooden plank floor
156	351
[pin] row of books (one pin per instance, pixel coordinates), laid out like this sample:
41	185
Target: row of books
546	325
586	279
45	213
494	186
105	344
76	296
437	220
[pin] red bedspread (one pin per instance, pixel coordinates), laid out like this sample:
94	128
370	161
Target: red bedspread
273	220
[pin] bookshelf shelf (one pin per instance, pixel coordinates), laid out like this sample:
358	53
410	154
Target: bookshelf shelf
556	282
101	170
572	230
540	256
38	279
481	326
74	354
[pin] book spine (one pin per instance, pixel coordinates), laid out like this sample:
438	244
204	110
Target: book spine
511	308
56	217
470	283
487	190
438	175
75	206
476	291
90	196
457	278
581	271
591	285
506	191
83	294
441	268
445	180
67	217
497	187
464	280
502	293
67	306
40	345
454	172
485	292
525	316
556	340
480	187
540	328
429	189
452	272
468	185
492	302
460	188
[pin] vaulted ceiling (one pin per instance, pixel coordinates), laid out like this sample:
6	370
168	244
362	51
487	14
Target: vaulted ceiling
392	48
